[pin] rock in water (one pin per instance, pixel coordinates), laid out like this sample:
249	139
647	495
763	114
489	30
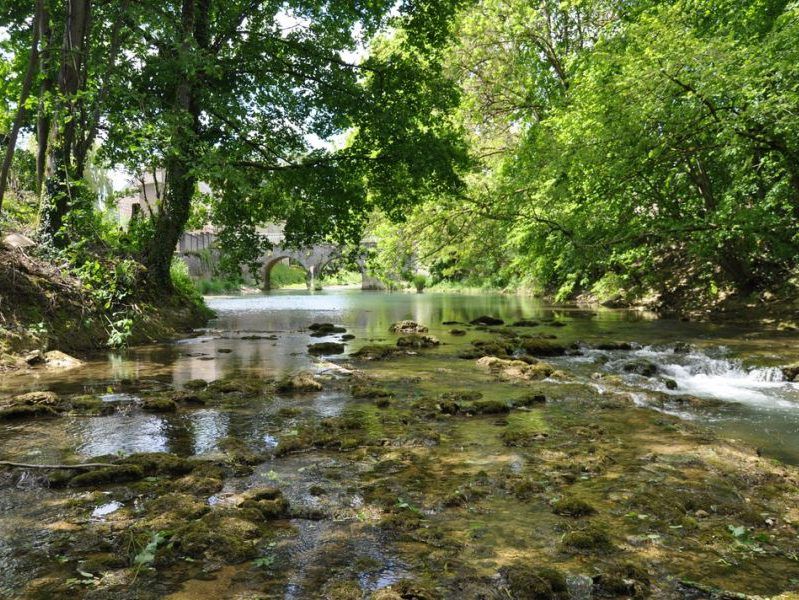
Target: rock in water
326	348
417	341
56	359
791	372
299	383
486	320
407	327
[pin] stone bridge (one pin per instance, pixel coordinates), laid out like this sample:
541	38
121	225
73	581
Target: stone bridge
200	252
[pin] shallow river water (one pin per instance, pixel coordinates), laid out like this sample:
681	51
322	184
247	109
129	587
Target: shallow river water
734	363
734	367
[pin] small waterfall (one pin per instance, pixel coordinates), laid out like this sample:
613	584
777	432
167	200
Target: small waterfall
709	373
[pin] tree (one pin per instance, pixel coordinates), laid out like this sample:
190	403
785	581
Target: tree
235	92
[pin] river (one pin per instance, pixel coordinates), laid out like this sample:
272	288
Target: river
736	364
732	370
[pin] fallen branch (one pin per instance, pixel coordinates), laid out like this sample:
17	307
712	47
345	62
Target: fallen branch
4	463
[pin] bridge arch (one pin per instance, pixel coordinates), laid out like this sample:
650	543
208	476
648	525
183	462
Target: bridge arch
270	262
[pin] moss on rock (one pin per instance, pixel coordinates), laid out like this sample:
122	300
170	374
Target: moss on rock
571	506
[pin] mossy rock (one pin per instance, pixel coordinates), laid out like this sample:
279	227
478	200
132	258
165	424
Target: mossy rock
407	327
326	348
43	398
343	590
481	348
457	332
526	323
159	404
90	405
522	438
529	400
462	395
538	347
26	411
325	329
159	463
269	509
104	475
100	562
169	510
571	506
643	367
222	534
526	489
487	320
196	384
592	539
187	397
299	383
791	372
489	407
204	480
239	452
614	346
417	341
623	581
528	582
376	352
240	386
409	589
360	390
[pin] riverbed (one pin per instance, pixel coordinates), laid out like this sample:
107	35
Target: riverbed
413	493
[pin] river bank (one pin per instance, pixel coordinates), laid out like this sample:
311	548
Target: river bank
508	460
43	307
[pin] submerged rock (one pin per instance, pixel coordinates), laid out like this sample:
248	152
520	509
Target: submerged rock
487	320
196	384
159	404
457	332
375	352
526	323
326	348
407	327
417	341
360	390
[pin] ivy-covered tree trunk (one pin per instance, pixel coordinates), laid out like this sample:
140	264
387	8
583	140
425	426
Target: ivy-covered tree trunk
59	192
173	213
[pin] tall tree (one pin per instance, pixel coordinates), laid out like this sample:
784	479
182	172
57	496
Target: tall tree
27	84
61	174
235	93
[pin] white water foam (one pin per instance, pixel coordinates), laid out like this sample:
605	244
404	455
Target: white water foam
708	374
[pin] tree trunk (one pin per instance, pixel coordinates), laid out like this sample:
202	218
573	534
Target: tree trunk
180	181
58	192
27	83
43	115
